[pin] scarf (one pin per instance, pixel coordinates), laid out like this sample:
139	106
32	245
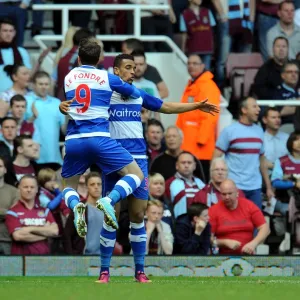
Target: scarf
17	56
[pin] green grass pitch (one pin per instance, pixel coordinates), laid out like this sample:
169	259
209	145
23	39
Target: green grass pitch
165	288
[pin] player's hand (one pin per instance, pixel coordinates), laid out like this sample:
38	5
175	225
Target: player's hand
249	248
64	106
208	107
233	244
43	55
150	226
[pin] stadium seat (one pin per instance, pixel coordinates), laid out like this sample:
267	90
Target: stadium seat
241	69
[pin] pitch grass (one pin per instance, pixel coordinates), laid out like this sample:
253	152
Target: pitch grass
162	288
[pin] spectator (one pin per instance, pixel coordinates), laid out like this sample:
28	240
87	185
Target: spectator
268	77
9	133
18	108
182	187
285	27
26	152
156	22
199	128
192	235
274	139
49	120
242	144
267	17
94	218
20	76
233	221
165	163
151	73
140	81
154	137
10	53
288	91
9	196
196	22
51	197
29	224
211	194
285	172
157	188
68	61
235	28
159	234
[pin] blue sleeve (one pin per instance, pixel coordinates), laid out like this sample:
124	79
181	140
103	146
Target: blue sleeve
223	140
55	202
36	134
282	184
211	19
150	102
182	24
121	87
44	200
277	173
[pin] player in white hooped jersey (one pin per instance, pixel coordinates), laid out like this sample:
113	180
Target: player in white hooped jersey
88	139
126	127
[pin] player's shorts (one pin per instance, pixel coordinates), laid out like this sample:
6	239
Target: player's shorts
109	181
104	152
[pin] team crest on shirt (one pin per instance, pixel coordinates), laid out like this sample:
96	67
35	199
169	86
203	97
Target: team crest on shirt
41	213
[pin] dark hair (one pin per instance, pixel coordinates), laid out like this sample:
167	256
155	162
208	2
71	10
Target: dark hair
7	119
243	104
81	34
285	2
195	210
289	63
134	44
185	152
280	38
119	58
38	75
18	142
89	51
28	176
268	109
8	22
11	70
292	138
91	175
17	98
138	53
154	122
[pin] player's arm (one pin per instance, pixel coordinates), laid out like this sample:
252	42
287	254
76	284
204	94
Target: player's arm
155	104
24	235
121	87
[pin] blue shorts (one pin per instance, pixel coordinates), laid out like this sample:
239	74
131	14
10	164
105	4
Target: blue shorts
105	152
109	181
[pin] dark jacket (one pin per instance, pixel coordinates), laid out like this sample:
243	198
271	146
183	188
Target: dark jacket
186	241
267	79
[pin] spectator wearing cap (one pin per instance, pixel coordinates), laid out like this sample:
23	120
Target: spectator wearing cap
29	224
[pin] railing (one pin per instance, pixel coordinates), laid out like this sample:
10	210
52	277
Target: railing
278	103
65	8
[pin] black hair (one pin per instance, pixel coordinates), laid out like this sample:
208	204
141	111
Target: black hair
39	74
119	58
281	38
154	122
284	2
186	152
12	70
17	98
81	34
138	53
7	21
7	119
89	51
292	138
268	109
195	210
289	63
134	44
18	142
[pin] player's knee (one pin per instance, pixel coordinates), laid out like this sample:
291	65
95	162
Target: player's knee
137	216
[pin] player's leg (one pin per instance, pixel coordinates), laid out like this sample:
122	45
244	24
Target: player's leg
137	206
74	165
108	233
112	157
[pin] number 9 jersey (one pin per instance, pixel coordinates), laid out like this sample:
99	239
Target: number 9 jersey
92	89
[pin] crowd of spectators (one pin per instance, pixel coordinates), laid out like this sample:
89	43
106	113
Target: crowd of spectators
208	194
